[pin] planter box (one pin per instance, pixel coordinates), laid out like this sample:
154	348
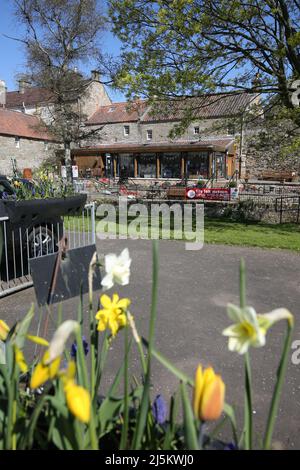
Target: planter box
38	211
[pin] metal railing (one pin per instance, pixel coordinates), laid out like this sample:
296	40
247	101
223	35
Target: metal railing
19	245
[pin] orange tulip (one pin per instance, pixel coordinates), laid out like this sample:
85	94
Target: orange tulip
209	393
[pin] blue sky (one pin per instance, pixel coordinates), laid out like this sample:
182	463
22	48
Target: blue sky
12	58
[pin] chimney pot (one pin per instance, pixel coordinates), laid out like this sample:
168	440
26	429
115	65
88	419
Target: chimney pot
23	84
95	75
2	94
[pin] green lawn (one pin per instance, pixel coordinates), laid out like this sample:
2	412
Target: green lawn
221	231
286	236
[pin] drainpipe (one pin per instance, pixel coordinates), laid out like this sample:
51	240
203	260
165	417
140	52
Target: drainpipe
241	145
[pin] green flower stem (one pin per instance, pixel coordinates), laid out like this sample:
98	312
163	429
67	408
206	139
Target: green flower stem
242	284
93	337
124	436
83	368
142	417
278	387
248	404
248	421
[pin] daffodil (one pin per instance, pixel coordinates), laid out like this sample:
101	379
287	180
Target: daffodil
77	398
20	360
117	269
60	337
209	394
44	371
78	401
4	330
113	315
250	328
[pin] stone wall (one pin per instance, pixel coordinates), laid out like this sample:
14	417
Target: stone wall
270	158
30	154
114	133
94	97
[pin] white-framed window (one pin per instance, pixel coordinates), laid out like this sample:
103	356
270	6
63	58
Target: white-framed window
126	130
196	130
149	134
17	142
46	145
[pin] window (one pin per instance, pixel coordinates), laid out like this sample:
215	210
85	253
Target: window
17	142
197	130
149	134
126	131
197	165
147	165
171	165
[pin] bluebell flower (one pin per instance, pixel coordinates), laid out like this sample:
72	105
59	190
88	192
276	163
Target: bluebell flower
159	409
85	345
230	446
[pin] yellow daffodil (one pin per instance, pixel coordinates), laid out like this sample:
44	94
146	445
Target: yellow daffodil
250	328
113	315
4	330
77	398
20	360
38	340
209	394
44	371
78	401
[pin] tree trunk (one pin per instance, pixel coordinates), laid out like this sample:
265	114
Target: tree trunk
68	162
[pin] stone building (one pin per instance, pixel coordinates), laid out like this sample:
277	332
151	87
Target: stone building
40	101
135	140
22	135
23	141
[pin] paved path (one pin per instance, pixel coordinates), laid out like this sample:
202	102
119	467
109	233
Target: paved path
194	290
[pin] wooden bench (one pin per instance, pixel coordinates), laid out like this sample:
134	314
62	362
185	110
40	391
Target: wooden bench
176	192
278	175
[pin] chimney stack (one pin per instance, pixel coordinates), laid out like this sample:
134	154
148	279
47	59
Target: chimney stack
2	94
95	75
23	84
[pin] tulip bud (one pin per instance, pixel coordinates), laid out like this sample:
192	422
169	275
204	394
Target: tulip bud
209	393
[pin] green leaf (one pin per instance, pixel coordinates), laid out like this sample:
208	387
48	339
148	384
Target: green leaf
168	365
190	433
22	328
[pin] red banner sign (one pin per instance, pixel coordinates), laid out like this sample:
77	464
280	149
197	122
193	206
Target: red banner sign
213	194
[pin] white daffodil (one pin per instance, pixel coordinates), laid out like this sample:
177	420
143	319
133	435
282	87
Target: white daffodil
117	269
60	338
250	328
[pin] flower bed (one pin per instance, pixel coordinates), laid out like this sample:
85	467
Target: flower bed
54	403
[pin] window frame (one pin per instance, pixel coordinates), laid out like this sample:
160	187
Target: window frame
125	128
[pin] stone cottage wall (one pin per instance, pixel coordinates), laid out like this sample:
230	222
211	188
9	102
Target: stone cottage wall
30	154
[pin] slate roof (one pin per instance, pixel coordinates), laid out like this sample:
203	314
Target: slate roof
30	97
15	123
118	112
206	106
218	144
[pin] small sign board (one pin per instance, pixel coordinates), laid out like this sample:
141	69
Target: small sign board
212	194
71	275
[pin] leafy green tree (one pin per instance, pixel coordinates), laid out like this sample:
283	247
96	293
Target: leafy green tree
174	49
60	36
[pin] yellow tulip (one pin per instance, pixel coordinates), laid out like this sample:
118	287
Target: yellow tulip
78	401
44	371
4	330
209	394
